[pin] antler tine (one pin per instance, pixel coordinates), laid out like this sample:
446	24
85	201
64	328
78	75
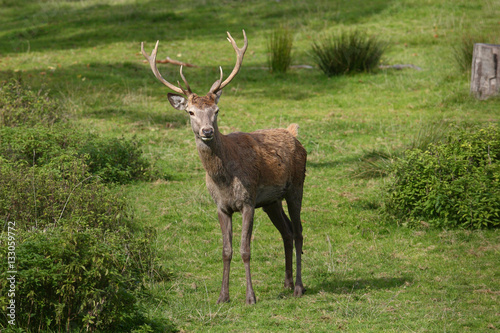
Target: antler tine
188	91
152	63
216	85
240	52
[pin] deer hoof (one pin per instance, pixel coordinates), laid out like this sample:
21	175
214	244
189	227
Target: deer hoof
223	299
251	299
299	290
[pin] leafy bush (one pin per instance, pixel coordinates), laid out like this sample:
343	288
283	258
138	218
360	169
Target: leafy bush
451	184
81	265
38	145
280	50
19	105
348	52
39	197
116	160
113	160
78	280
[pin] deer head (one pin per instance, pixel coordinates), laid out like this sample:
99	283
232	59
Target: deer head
202	110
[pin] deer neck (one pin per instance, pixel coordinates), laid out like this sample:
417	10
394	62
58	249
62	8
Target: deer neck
212	156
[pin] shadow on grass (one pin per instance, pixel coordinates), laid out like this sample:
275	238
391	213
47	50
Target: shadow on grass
110	91
345	286
61	25
104	85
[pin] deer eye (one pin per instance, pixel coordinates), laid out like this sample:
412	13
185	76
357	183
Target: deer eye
217	112
191	113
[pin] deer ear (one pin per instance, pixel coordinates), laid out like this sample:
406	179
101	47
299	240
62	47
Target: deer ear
177	101
217	96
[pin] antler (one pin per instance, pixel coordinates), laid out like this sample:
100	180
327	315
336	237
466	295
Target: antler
152	63
240	52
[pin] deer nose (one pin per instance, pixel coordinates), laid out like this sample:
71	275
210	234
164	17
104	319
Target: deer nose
207	133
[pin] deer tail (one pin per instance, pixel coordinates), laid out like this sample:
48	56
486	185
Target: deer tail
293	129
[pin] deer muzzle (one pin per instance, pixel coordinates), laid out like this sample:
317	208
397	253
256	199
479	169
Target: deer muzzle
207	133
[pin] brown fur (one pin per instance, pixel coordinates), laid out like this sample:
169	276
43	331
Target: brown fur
293	129
266	163
202	102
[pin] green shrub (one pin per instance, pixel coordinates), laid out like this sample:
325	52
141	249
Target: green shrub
116	160
61	191
81	264
113	160
451	184
19	105
280	50
348	52
38	145
83	280
25	136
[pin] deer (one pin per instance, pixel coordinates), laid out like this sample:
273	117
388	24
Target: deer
245	171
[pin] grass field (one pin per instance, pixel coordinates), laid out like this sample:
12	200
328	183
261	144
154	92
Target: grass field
362	274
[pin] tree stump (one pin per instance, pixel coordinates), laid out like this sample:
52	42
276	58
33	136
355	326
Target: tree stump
485	76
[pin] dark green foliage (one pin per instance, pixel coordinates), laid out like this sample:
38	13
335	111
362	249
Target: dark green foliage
81	263
280	50
38	145
85	280
25	136
60	191
116	160
19	105
111	159
451	184
348	52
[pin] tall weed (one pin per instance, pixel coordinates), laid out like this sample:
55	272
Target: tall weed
280	45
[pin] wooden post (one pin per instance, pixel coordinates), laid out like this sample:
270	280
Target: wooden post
485	76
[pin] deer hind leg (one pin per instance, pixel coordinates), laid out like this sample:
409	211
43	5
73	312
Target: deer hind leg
284	226
246	236
294	202
227	254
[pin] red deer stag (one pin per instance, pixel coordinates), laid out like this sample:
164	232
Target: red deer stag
245	171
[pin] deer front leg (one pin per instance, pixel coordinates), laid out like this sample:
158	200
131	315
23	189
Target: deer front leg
226	226
246	236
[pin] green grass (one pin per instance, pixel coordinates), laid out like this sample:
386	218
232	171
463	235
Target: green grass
361	274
